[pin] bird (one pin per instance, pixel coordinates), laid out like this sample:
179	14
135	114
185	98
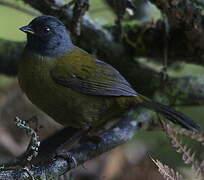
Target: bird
74	87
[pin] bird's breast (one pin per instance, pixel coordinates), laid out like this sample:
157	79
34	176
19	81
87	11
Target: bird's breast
35	81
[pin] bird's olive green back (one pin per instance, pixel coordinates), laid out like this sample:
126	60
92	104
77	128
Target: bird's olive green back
84	73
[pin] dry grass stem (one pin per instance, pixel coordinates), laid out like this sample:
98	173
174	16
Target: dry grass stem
193	135
167	172
188	156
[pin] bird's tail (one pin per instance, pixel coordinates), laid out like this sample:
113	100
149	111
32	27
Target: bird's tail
169	113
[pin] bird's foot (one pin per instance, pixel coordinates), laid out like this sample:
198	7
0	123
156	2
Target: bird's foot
65	147
67	157
63	150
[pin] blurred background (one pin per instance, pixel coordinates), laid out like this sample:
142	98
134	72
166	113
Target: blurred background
128	162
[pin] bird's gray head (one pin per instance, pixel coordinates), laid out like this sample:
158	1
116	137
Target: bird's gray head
47	36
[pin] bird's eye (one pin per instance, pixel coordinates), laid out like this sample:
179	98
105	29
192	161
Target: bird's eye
46	29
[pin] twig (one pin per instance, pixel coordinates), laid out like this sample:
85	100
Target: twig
32	150
19	8
22	163
79	10
29	173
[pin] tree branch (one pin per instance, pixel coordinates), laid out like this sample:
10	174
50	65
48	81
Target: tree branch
185	40
186	29
19	8
10	51
182	91
121	133
146	40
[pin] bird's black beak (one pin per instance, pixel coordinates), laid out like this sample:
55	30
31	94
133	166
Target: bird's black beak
27	29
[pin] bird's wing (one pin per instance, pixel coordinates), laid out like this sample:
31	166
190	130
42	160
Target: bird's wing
83	73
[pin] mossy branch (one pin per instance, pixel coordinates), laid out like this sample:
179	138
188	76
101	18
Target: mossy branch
186	29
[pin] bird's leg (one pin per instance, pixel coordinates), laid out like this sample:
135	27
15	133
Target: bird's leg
74	139
62	151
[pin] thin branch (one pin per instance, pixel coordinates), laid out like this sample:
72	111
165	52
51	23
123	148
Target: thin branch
19	8
79	10
32	149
